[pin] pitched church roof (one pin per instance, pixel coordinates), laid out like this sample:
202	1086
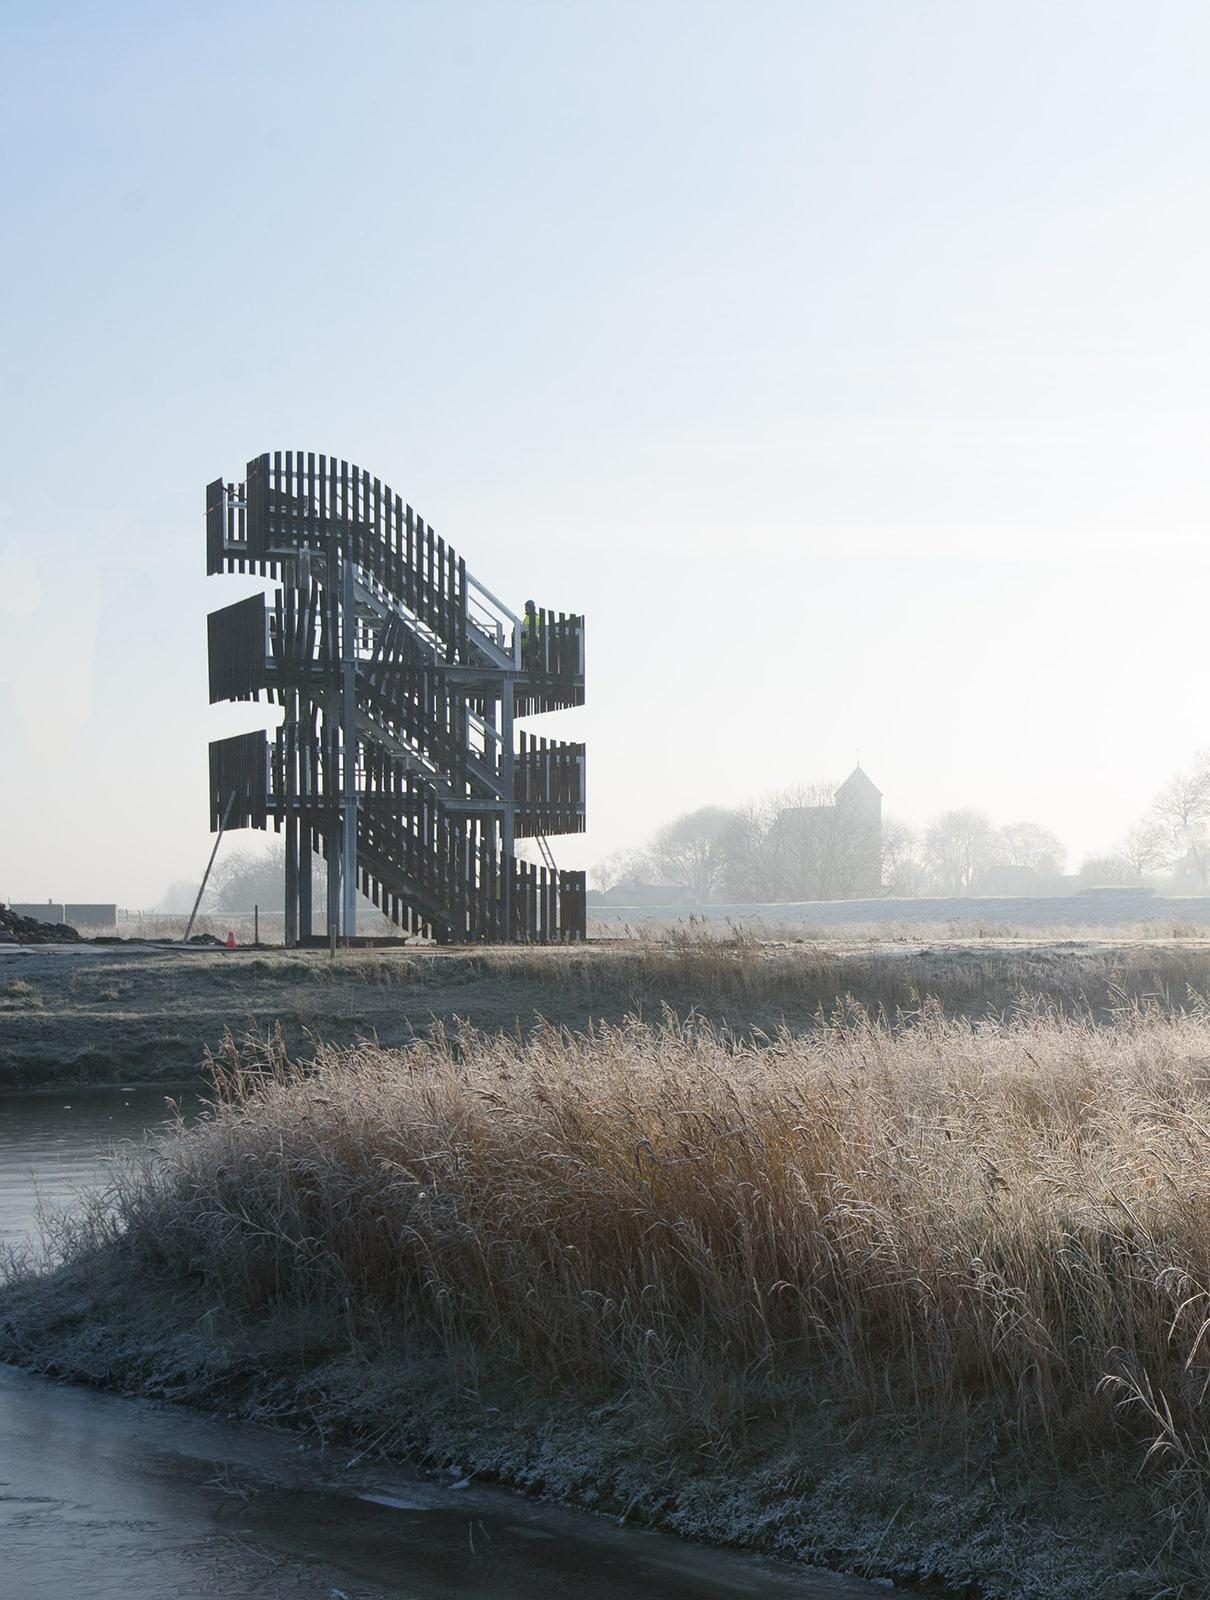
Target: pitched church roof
857	784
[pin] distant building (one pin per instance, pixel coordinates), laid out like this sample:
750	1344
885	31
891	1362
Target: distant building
833	851
1006	881
643	894
861	798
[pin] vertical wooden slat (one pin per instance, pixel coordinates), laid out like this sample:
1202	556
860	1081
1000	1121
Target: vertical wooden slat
410	567
373	555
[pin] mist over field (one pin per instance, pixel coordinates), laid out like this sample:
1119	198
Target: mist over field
843	364
605	799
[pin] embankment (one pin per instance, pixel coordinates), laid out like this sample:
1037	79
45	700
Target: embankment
921	1302
98	1014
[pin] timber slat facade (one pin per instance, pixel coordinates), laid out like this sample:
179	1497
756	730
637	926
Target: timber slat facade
400	678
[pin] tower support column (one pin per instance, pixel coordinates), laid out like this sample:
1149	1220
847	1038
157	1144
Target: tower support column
290	748
508	827
304	881
348	718
291	935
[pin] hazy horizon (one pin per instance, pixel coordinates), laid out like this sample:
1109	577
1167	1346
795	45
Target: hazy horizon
846	365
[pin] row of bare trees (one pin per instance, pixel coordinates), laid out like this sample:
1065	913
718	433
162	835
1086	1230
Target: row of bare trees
962	852
1171	837
797	845
792	845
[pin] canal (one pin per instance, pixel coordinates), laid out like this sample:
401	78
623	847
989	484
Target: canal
118	1499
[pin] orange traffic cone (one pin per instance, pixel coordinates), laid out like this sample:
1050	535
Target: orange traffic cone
230	940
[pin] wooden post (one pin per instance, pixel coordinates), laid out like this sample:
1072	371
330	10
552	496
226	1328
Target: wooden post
206	875
349	747
304	883
291	933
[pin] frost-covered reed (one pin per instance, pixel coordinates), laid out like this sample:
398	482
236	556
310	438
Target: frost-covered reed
1011	1217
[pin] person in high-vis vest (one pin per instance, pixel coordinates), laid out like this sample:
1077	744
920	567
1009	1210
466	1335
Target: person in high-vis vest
530	637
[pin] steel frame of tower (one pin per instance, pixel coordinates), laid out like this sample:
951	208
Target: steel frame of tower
400	677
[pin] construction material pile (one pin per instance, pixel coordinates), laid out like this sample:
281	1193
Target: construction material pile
28	930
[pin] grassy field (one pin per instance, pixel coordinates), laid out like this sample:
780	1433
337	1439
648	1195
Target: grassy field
914	1282
114	1014
951	1203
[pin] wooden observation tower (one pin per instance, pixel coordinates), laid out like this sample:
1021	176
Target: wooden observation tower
401	679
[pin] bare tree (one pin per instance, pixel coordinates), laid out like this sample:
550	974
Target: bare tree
1182	813
1029	844
902	866
1144	848
694	849
248	878
819	850
180	894
799	842
959	847
752	873
618	868
245	878
1104	872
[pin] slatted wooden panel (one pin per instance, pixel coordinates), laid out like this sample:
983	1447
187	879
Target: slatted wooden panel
451	875
239	770
548	786
227	544
297	499
303	653
235	638
554	666
216	509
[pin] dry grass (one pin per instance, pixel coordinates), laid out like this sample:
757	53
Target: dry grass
1011	1218
1168	922
961	1211
16	995
755	979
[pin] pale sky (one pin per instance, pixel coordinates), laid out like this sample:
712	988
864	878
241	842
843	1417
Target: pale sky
846	362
